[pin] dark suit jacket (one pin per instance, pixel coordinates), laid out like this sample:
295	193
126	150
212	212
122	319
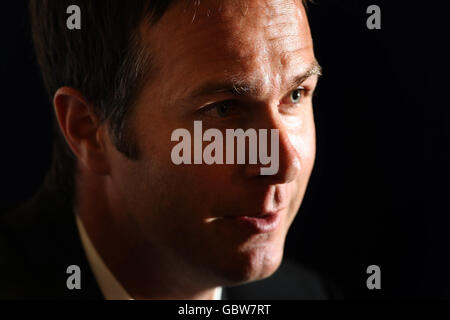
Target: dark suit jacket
39	240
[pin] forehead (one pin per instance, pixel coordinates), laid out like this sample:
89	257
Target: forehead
254	40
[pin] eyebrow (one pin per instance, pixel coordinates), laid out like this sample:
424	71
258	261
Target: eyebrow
239	87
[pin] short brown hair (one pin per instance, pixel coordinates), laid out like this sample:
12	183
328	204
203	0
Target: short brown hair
105	61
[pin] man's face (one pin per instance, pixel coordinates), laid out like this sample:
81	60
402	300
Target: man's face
197	52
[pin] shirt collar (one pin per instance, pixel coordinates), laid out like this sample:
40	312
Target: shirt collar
110	287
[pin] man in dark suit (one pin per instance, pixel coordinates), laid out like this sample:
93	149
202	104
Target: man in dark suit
120	216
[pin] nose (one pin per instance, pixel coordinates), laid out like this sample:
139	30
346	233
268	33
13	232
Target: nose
289	162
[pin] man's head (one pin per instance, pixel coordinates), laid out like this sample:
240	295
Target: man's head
182	62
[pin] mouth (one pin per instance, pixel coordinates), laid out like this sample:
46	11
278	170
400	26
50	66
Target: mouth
261	223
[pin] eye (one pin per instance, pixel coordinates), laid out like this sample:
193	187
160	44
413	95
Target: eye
296	95
224	109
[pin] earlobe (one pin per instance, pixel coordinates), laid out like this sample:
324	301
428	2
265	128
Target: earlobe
82	129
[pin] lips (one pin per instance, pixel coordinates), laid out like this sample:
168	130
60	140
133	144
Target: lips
262	214
259	223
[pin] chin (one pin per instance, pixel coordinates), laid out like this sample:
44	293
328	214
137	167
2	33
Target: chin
253	264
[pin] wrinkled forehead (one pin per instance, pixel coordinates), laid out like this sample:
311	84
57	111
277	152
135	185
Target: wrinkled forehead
233	37
233	22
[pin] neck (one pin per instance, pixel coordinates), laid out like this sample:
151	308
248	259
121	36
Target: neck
143	269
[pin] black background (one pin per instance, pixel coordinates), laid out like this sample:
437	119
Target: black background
378	193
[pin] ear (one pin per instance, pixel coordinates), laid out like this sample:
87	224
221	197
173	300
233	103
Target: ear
81	129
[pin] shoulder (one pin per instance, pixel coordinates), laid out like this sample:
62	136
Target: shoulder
38	242
15	255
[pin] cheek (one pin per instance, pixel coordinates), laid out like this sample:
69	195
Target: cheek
303	139
306	149
178	188
302	135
